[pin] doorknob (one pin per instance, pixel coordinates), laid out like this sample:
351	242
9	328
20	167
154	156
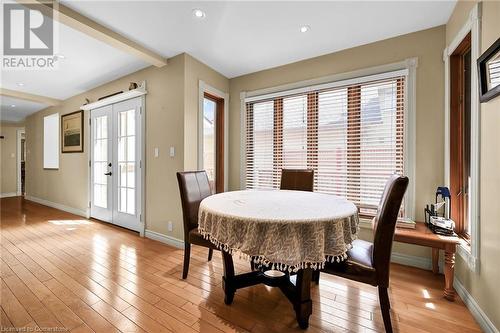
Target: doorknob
108	173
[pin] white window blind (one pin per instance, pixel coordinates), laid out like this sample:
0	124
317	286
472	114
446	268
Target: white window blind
352	136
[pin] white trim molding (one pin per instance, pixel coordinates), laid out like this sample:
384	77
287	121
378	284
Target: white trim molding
482	319
8	195
139	91
172	241
472	25
76	211
203	88
20	132
407	67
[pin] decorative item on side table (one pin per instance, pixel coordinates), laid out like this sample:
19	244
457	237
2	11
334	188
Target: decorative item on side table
72	132
488	65
440	223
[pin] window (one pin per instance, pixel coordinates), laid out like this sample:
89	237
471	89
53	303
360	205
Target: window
460	136
351	135
212	158
51	141
209	139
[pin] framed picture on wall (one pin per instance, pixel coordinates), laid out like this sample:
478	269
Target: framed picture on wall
489	72
72	132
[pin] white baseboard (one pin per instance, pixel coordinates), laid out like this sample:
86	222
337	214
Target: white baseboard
414	261
172	241
76	211
484	322
8	194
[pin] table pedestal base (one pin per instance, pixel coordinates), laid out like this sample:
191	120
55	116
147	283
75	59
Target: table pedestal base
299	294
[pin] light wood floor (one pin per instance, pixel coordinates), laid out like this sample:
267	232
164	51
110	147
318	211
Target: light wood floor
61	271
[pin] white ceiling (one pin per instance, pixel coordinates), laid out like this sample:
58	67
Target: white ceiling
237	38
234	38
88	63
21	110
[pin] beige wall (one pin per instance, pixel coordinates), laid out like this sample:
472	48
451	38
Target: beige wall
483	286
196	71
427	45
166	106
8	154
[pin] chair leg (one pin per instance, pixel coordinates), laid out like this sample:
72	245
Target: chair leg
385	306
210	253
187	254
315	276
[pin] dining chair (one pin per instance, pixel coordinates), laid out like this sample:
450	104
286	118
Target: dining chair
370	262
297	179
194	187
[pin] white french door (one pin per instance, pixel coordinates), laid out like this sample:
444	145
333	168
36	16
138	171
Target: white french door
116	150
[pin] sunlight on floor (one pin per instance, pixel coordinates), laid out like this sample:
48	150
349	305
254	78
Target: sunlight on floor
69	222
426	293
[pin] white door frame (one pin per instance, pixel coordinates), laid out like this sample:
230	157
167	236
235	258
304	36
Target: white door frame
142	163
20	132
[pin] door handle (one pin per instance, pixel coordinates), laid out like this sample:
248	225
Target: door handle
108	173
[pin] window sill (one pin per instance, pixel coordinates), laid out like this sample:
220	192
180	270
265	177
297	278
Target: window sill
365	223
465	252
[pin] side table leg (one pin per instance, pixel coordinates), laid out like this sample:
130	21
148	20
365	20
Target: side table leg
228	278
303	303
449	270
435	260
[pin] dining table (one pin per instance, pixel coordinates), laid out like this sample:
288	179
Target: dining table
286	235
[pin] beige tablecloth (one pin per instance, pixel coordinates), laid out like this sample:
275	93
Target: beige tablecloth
287	229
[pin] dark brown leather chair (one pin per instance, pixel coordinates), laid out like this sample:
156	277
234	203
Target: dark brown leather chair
297	179
370	262
194	187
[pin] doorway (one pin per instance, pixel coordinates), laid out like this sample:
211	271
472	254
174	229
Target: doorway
115	164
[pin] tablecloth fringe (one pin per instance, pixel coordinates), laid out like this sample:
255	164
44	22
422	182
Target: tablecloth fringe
263	261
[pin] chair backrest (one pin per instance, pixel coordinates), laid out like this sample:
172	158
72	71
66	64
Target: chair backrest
385	224
297	179
193	187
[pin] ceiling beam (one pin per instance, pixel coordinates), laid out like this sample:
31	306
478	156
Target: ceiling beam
30	97
79	22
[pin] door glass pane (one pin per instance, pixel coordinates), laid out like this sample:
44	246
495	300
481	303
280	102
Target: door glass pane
209	108
100	166
126	162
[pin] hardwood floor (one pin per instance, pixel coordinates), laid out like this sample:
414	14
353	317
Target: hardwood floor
61	271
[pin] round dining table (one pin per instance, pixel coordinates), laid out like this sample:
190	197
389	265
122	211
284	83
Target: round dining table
282	233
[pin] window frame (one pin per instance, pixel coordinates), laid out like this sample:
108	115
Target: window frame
406	68
204	90
457	143
470	253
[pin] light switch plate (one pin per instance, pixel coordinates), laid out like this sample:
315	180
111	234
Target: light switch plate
172	151
157	152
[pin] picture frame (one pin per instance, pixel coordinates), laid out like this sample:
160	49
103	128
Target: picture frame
488	65
72	132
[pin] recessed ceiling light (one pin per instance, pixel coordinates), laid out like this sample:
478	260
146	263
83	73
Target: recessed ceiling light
198	13
305	28
20	84
13	106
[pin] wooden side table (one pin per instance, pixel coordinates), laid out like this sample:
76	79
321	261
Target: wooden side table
422	236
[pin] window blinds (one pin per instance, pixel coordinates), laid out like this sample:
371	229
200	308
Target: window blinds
352	136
